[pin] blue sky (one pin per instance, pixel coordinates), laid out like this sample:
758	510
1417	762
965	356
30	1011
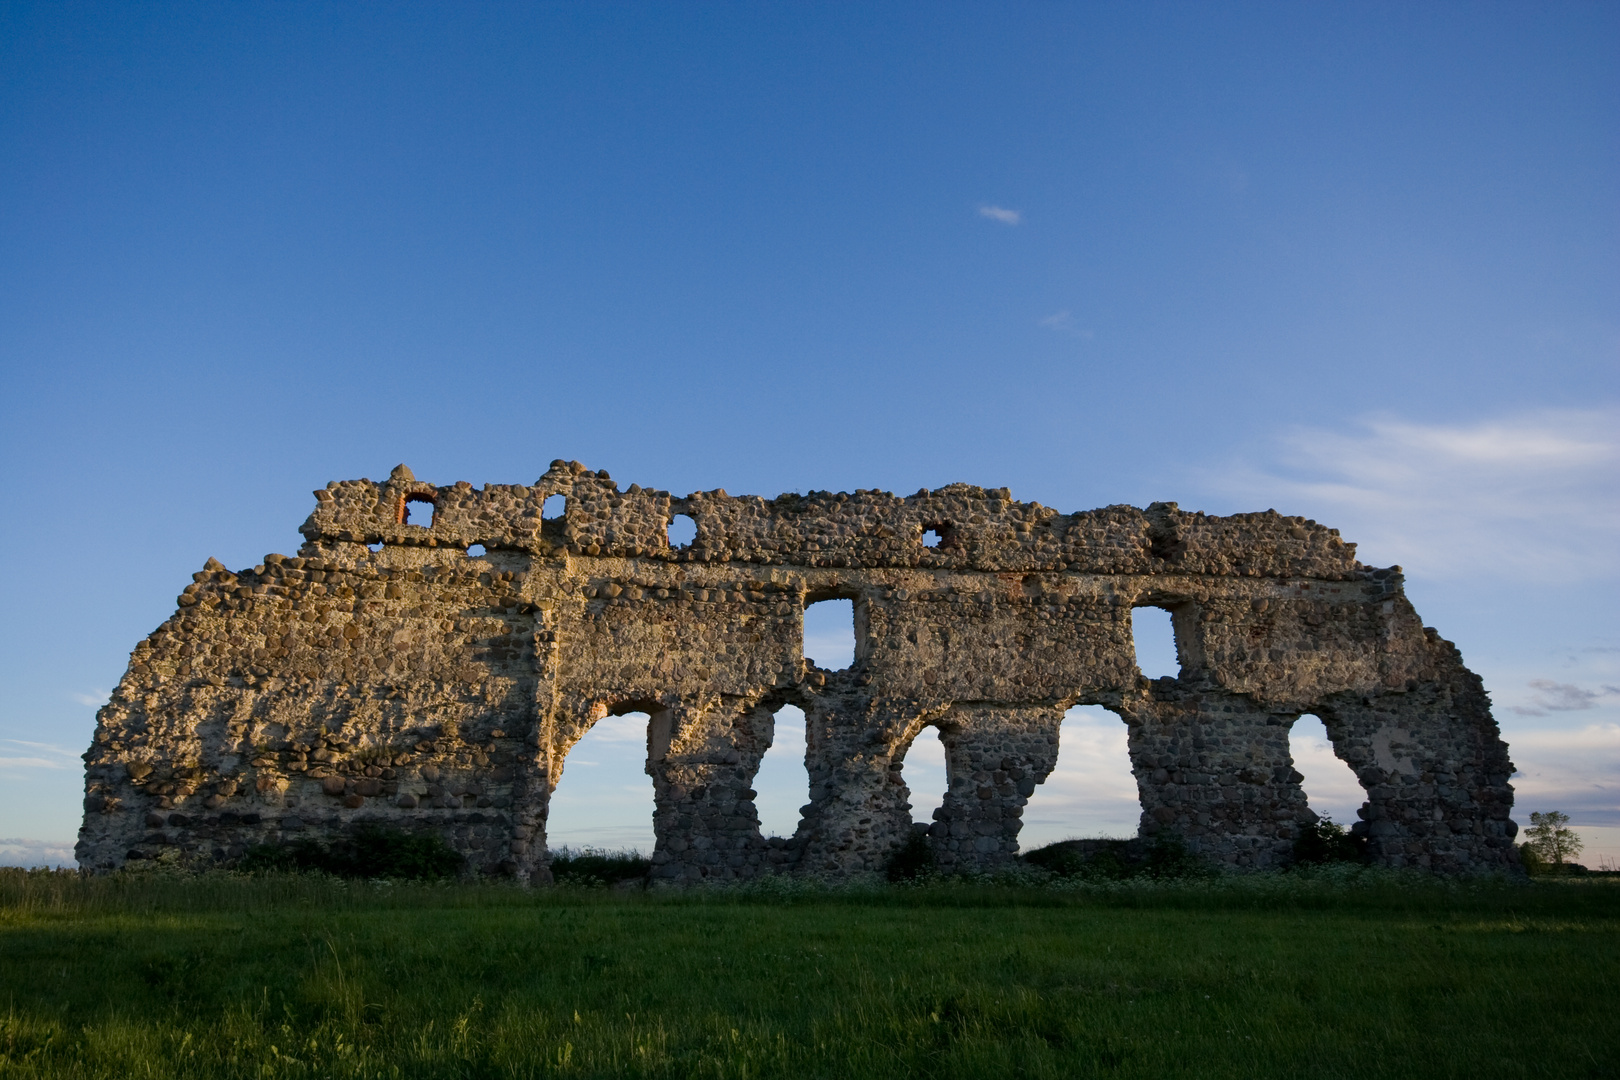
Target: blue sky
1357	262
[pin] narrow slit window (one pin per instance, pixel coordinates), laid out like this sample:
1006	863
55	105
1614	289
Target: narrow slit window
923	770
1331	787
1092	793
1155	639
782	783
419	511
829	634
682	530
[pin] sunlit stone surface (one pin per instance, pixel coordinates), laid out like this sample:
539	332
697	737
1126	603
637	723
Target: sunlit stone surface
383	674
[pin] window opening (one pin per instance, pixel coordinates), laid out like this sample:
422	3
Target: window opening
923	770
604	798
374	548
553	508
475	551
782	784
1091	794
829	634
934	535
682	530
418	511
1155	638
1331	787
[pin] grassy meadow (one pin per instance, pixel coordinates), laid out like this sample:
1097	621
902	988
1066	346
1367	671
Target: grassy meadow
1341	973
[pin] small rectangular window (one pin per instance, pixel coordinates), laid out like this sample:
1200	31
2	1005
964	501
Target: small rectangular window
1155	638
418	511
682	530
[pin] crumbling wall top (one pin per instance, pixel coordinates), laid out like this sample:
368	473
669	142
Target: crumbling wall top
958	528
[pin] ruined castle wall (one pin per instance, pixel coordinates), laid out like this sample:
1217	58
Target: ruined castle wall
385	675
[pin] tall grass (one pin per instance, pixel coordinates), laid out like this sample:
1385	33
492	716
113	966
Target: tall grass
1327	974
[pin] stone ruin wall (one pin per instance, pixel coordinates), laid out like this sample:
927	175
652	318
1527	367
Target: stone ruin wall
418	686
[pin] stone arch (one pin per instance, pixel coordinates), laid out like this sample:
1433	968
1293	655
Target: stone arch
781	778
1358	814
899	787
1094	755
1379	737
657	732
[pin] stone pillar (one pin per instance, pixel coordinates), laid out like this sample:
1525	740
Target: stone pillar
702	759
1436	773
994	758
858	815
1214	770
535	776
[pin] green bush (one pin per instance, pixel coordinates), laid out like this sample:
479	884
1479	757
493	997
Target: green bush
1535	865
1164	857
1326	841
369	851
912	860
1530	859
594	868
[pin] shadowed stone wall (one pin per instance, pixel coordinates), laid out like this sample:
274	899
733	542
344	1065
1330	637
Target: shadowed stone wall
384	674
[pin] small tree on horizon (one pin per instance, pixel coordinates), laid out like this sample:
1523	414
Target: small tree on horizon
1551	838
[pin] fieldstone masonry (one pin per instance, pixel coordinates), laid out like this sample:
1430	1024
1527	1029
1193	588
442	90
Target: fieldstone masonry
386	674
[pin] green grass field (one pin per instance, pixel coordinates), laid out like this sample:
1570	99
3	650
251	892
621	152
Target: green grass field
1337	975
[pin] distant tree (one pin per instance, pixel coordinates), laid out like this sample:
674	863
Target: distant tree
1551	838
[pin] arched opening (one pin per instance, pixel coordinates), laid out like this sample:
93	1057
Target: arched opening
604	799
1331	787
782	784
829	633
1091	793
1154	635
553	508
925	776
418	511
682	530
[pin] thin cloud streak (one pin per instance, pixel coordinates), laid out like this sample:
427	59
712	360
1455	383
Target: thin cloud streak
1063	322
1562	697
1001	214
1534	494
1574	769
20	754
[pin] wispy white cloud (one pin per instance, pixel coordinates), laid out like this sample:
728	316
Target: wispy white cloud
629	728
1092	791
9	762
95	699
1563	697
1566	767
1001	214
31	853
1063	322
1536	494
20	754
